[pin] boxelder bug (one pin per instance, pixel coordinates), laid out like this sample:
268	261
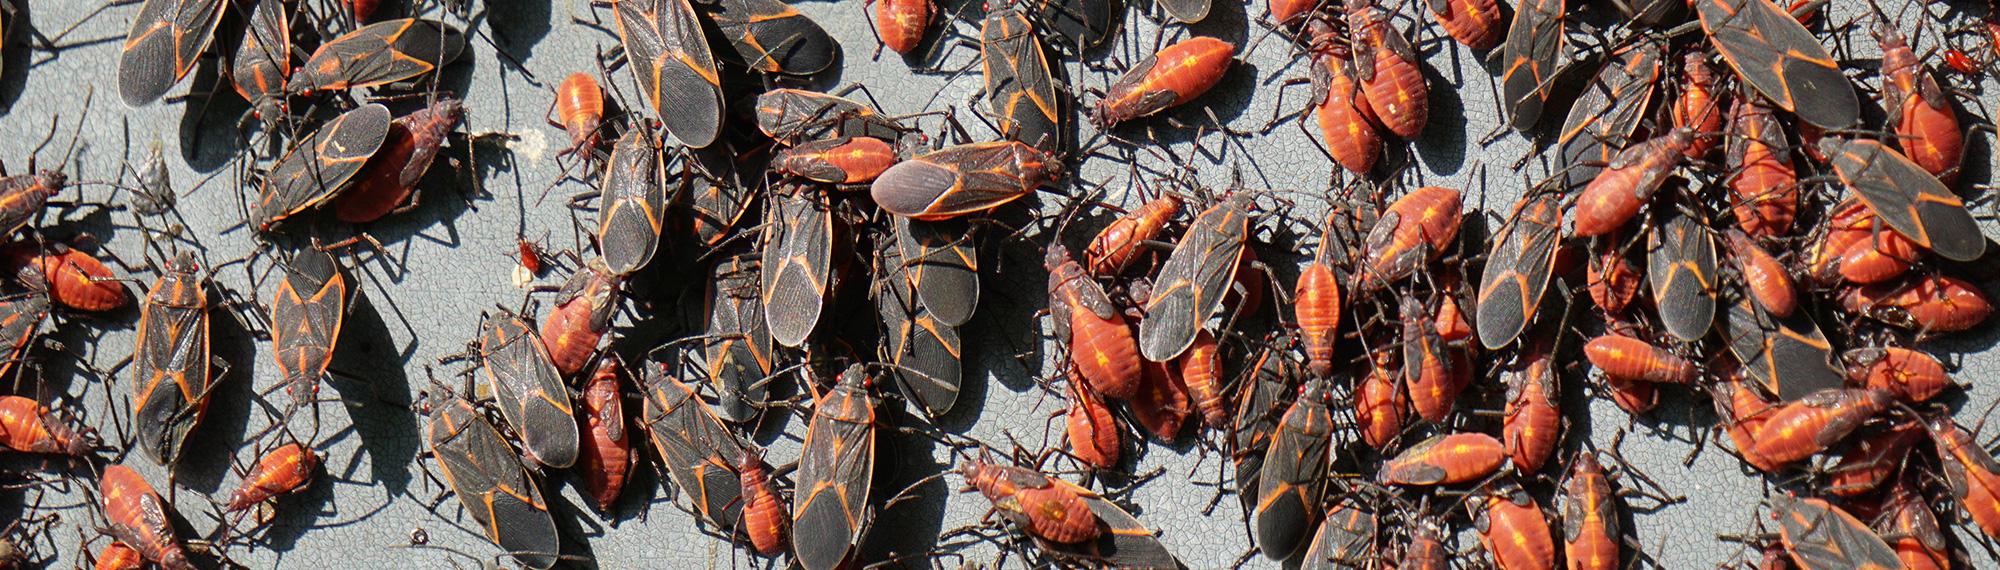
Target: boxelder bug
1517	270
1294	474
1820	535
633	205
27	426
773	37
1533	424
1789	356
964	179
1778	57
1513	528
1415	229
281	471
1912	376
1680	266
1926	127
901	23
1039	503
834	473
264	59
1021	90
926	351
1185	11
579	108
1970	472
1764	277
1906	197
166	40
1192	283
1932	303
1096	437
764	516
942	263
1534	42
1389	71
1347	539
1445	460
1380	400
73	279
1118	244
739	355
306	317
695	446
1474	23
1590	516
379	54
139	518
1434	373
174	377
581	315
321	165
1699	106
1811	424
1628	182
844	160
1097	336
606	457
21	317
1913	531
797	263
530	391
1631	358
490	481
1764	188
672	62
1602	120
388	183
1177	74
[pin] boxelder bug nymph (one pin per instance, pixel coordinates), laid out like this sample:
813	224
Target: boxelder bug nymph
529	390
1764	189
1177	74
843	160
671	60
321	165
579	110
1932	303
1317	307
388	182
1591	537
764	516
1200	371
139	518
900	24
1096	437
633	201
1789	356
773	37
1629	358
1912	376
1698	107
1814	423
1512	528
1615	195
1820	535
166	39
1926	127
1778	57
1907	198
379	54
281	471
1294	473
1609	110
1763	276
964	179
72	278
1972	476
1195	278
1091	327
1380	400
1534	43
1068	520
1415	229
1913	531
27	426
306	317
490	481
1433	372
606	459
797	263
834	473
926	350
1474	23
1388	70
1517	270
1445	460
581	315
1533	425
264	59
739	355
942	262
1680	265
175	375
697	449
1346	121
1118	244
1021	89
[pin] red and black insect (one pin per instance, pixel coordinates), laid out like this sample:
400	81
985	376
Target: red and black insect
941	259
835	469
1630	358
1512	527
21	317
1185	11
1517	269
1347	123
1162	404
490	481
925	349
1021	90
388	183
1474	23
1906	197
739	354
964	179
1047	509
1448	459
529	390
1259	400
139	518
1590	517
1095	436
1927	129
1434	374
1529	56
1912	376
579	110
1972	476
1345	540
697	449
797	263
165	42
1698	107
1116	246
1814	423
27	426
1932	303
174	375
772	37
1868	461
1764	277
1609	110
72	278
1416	229
1680	266
1774	54
1533	424
1628	182
671	60
845	160
634	201
1764	186
282	471
581	316
1789	357
1389	71
901	24
306	318
791	115
1820	535
1294	474
1192	283
1380	401
378	54
1910	528
1171	78
264	60
605	459
321	165
1099	341
765	521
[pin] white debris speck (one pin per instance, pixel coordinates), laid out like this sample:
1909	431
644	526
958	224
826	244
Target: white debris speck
529	146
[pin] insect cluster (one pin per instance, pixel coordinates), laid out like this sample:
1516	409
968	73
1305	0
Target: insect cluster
1738	207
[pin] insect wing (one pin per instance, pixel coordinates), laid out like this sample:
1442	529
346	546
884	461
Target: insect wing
833	475
1534	41
265	57
1191	285
306	317
798	265
1909	199
671	60
1778	57
321	166
1293	473
635	201
1124	541
530	390
1186	11
379	54
1789	356
942	261
492	484
1082	24
773	37
1609	109
695	447
1820	535
1680	264
166	39
1021	90
927	352
172	359
739	357
1517	270
795	114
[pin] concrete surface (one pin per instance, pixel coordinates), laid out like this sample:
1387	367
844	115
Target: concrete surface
449	261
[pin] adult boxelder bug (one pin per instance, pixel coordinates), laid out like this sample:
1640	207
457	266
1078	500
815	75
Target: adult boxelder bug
773	37
634	197
166	39
1474	23
1602	120
1294	474
1634	359
1194	279
1811	424
942	262
1778	57
27	426
1415	229
1628	182
1764	186
1534	42
739	350
21	317
1517	269
964	179
579	109
1932	303
927	353
174	377
1790	357
1699	106
901	23
1513	529
1743	411
1680	265
1258	408
1389	71
139	518
797	263
1970	472
1177	74
1590	516
790	115
1906	197
490	481
1021	90
1763	276
581	315
1099	341
696	447
73	279
1079	24
605	459
1820	535
1926	127
1118	244
1448	459
837	464
530	391
1345	540
388	183
281	471
306	317
379	54
264	59
764	517
1912	376
320	166
1041	505
1533	424
672	62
